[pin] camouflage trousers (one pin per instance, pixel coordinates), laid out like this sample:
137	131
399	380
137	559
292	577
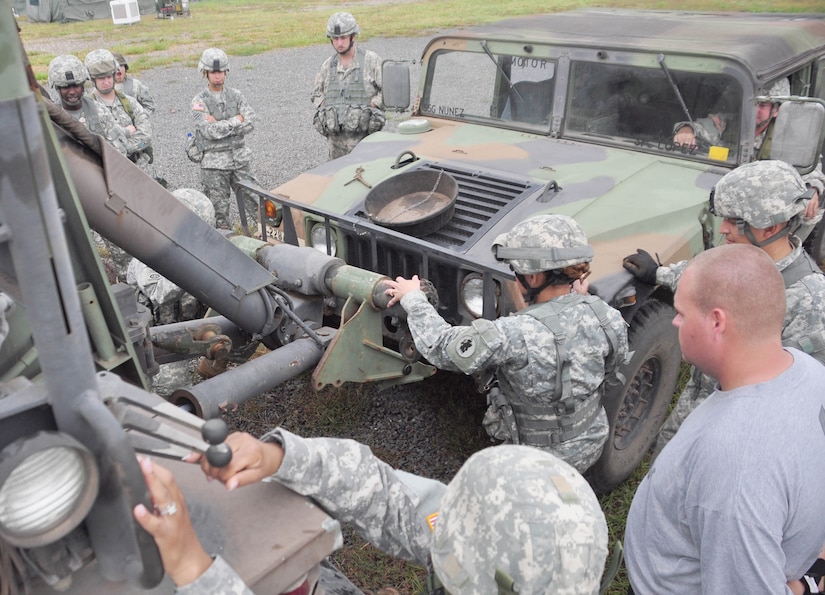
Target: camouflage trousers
343	143
143	161
699	387
171	377
218	185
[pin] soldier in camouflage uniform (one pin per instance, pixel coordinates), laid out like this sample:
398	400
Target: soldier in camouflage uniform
347	93
168	302
223	118
551	358
762	204
126	110
67	76
711	130
129	85
514	518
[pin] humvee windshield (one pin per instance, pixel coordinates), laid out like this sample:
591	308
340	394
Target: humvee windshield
602	102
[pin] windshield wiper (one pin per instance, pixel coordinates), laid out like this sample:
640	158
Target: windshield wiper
498	66
661	60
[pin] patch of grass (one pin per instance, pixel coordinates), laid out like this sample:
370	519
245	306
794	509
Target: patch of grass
245	28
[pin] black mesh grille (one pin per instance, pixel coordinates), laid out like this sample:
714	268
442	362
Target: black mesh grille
481	197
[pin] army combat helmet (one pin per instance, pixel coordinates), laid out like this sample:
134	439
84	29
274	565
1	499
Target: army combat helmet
780	88
761	194
342	24
121	60
516	519
198	202
213	60
67	71
100	63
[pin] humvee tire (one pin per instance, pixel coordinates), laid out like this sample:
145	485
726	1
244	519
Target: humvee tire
637	408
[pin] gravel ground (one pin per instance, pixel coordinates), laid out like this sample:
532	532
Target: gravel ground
428	428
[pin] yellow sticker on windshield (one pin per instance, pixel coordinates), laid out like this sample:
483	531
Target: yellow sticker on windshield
718	153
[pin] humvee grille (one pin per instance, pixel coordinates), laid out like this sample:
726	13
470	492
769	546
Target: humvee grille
481	197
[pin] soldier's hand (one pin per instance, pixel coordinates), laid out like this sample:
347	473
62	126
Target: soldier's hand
400	287
642	266
184	558
252	461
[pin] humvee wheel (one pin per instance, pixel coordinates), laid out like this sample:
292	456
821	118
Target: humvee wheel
637	409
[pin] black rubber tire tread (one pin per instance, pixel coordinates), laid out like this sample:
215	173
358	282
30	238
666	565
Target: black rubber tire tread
654	340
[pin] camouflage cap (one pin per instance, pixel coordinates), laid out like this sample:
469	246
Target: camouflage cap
780	88
100	63
523	513
761	193
66	71
121	60
198	202
342	24
213	60
543	243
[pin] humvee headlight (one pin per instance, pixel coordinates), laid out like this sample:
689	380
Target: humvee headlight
48	483
318	236
472	295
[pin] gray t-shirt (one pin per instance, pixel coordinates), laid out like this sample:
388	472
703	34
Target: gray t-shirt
734	503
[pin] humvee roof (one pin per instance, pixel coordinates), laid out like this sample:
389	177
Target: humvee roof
763	42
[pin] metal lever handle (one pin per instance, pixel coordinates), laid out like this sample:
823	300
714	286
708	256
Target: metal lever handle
150	435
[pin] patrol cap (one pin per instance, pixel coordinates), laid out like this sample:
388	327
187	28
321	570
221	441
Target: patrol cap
100	63
761	193
214	60
543	243
66	71
121	60
198	202
522	514
342	24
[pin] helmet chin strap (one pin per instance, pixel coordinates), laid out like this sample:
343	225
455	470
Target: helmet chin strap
533	292
748	231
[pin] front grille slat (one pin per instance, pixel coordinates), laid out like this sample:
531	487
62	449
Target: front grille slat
482	200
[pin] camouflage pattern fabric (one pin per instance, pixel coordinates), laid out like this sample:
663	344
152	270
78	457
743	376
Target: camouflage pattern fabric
99	120
511	508
141	139
136	88
762	193
217	184
526	513
226	158
342	143
543	243
804	321
342	24
523	350
219	579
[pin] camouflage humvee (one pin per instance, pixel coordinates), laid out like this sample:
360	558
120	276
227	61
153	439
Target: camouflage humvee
571	113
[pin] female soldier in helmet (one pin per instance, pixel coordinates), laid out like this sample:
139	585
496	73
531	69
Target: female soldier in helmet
551	358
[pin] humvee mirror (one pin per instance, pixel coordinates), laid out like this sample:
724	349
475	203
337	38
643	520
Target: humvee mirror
396	81
799	132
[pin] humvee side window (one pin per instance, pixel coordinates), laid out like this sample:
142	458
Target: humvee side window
506	88
639	105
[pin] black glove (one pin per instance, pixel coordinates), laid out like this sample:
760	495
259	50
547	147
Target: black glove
642	266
